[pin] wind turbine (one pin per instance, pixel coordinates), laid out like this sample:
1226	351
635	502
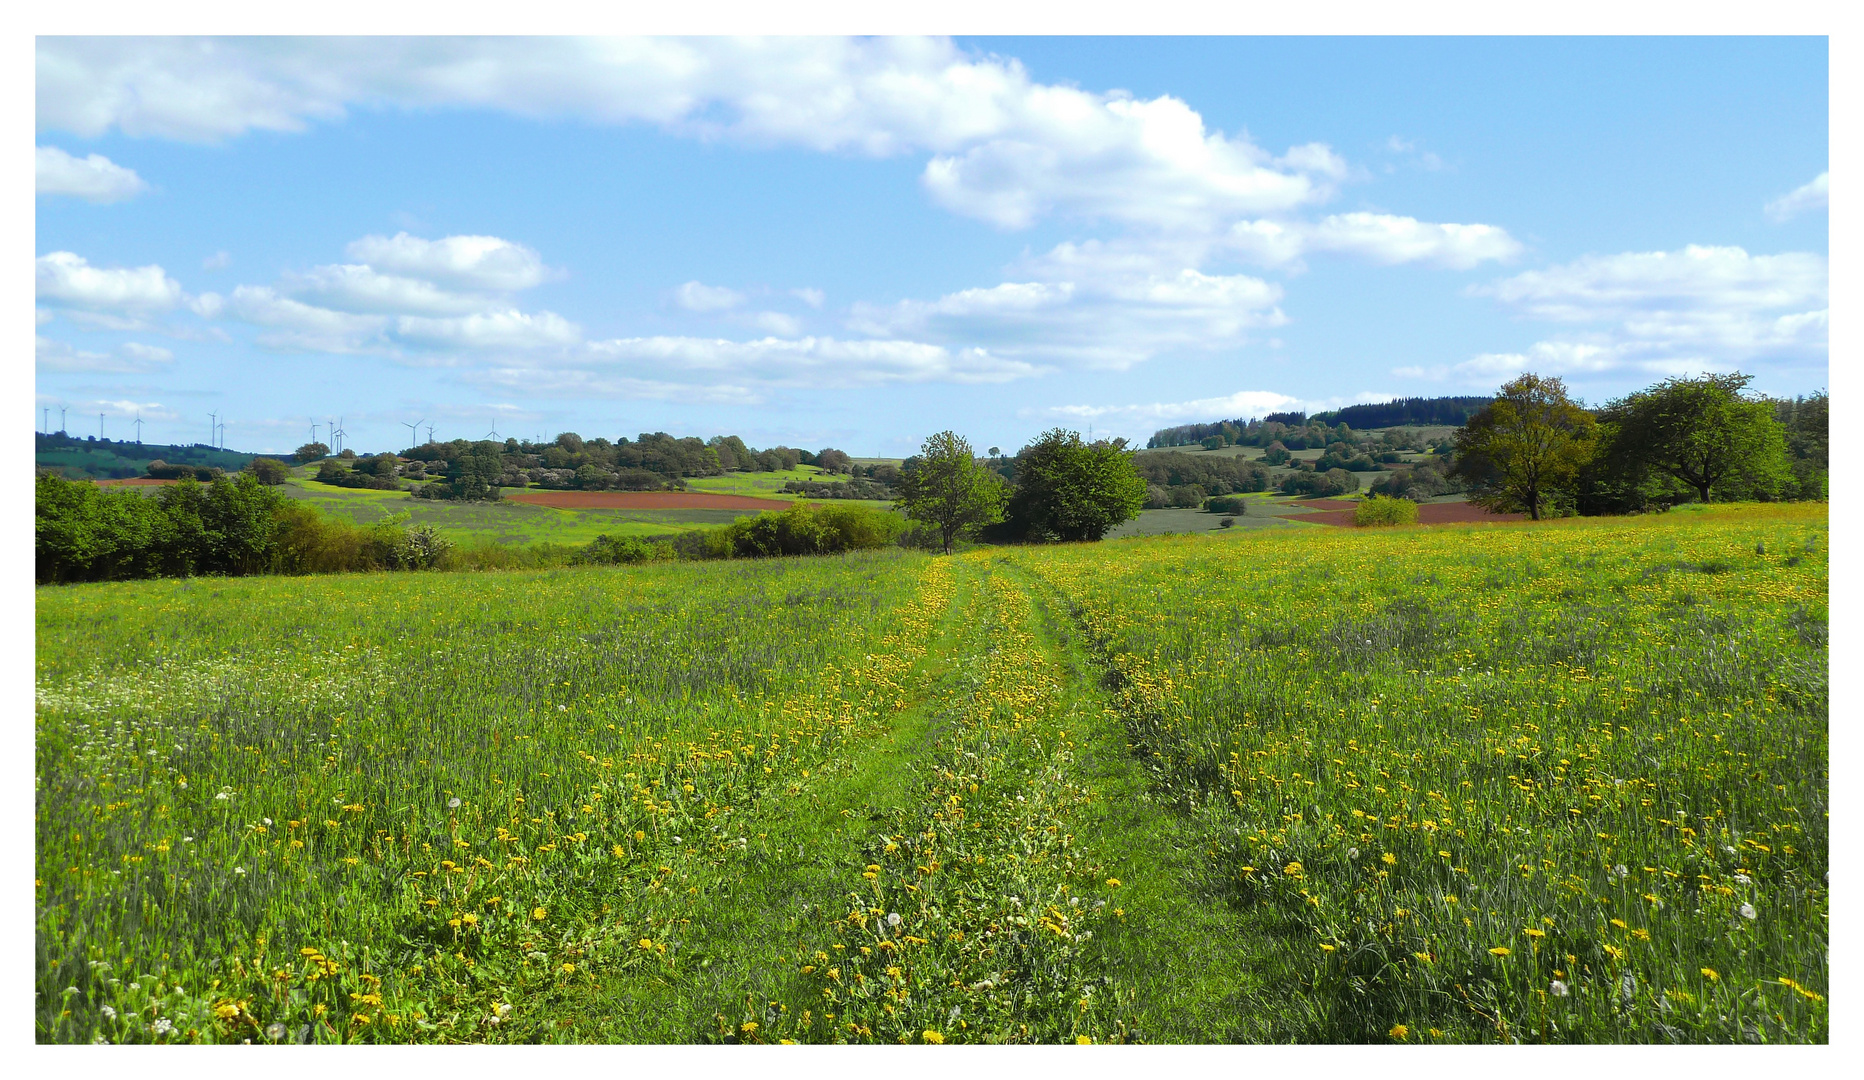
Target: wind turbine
100	426
211	428
221	435
430	433
414	433
61	419
139	428
494	435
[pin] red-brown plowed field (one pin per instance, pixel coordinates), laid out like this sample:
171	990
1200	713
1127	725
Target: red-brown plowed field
644	500
1427	514
139	481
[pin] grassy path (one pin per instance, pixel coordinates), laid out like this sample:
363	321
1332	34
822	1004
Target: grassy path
990	867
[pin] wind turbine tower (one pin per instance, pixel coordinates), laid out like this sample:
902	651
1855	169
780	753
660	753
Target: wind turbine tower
414	430
139	429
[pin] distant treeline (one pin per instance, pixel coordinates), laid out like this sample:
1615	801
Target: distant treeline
656	461
1404	412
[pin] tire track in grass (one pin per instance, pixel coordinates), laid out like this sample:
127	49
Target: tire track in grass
728	941
1198	970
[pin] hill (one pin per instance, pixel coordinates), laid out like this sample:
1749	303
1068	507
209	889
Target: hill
91	458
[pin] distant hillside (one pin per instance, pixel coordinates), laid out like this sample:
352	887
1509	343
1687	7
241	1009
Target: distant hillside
1412	412
110	459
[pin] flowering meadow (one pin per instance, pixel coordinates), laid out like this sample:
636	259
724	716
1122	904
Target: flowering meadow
1558	782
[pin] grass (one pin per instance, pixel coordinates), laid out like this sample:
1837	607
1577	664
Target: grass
1111	792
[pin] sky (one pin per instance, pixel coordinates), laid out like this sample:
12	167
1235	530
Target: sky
859	242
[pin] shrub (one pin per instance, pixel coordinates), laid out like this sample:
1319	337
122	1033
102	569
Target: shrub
1227	504
270	471
623	550
1185	496
811	529
1379	510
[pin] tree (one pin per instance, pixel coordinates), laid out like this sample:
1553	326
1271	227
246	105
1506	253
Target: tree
270	471
1524	450
310	452
1067	489
949	490
1702	432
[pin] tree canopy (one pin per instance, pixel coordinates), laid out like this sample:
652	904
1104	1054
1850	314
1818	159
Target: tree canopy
1525	449
946	488
1067	489
1702	433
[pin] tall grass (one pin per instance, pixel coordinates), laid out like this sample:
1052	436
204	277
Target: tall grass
1565	783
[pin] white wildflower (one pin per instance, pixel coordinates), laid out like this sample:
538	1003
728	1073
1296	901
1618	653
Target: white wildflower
239	870
1558	989
893	918
453	803
274	1031
109	1013
1747	911
162	1026
1743	879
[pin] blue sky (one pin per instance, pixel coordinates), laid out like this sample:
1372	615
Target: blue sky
855	243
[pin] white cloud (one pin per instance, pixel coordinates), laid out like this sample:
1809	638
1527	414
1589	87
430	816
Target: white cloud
293	323
63	279
363	290
1006	149
481	263
1695	279
95	178
694	296
1661	313
811	360
153	354
813	297
219	260
1813	195
129	357
507	329
578	383
775	323
1249	403
1382	238
1106	318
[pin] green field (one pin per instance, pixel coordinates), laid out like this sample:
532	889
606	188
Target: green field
515	523
1564	782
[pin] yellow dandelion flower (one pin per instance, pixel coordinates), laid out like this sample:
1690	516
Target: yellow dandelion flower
647	943
1399	1032
1113	883
932	1037
1082	1040
569	968
1500	950
539	913
1709	974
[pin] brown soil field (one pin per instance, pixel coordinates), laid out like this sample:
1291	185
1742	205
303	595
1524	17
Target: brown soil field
1427	514
644	500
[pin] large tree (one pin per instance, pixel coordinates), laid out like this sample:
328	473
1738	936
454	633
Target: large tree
1525	448
1067	489
946	488
1702	432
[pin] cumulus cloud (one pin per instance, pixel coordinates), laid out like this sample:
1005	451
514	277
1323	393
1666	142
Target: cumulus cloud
1005	148
1105	319
507	329
1660	284
775	323
63	279
94	178
52	355
811	361
363	289
1812	195
1661	313
694	296
480	263
294	324
1243	403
